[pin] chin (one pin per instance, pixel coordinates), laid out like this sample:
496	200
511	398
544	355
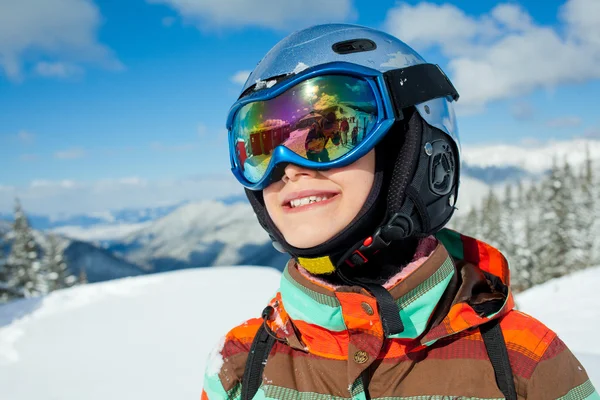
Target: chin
309	238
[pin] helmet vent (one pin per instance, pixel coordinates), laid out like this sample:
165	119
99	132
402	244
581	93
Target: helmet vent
354	46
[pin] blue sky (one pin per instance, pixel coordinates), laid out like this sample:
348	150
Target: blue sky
107	97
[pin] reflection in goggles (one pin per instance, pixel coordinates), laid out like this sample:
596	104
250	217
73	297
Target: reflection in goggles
320	119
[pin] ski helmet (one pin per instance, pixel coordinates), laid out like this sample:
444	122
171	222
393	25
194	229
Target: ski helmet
414	134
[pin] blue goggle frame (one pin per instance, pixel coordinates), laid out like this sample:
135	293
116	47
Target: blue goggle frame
283	155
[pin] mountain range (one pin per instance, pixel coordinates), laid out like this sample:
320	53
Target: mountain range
226	232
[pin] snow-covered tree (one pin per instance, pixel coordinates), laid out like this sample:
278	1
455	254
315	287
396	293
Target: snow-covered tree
82	277
54	266
4	294
506	229
490	219
588	213
470	224
554	246
23	266
525	261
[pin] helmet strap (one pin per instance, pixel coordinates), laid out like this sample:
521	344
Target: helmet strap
428	196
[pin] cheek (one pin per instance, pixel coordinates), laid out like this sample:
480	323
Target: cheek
271	199
357	182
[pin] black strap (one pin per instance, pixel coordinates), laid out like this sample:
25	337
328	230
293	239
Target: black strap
416	84
388	309
498	354
255	364
492	338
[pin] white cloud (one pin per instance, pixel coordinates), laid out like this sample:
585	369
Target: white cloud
265	13
28	157
504	53
522	111
75	197
63	184
240	77
564	122
58	31
70	154
26	137
58	69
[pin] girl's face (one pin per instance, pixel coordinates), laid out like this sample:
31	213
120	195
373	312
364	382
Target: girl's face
310	207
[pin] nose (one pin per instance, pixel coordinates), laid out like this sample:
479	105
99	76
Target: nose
294	172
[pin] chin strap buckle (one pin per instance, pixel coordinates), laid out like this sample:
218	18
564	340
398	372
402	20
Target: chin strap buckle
398	227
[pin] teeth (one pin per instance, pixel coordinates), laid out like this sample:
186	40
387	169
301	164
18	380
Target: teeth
307	200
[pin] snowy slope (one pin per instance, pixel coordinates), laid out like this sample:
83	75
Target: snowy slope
571	307
200	234
148	337
135	338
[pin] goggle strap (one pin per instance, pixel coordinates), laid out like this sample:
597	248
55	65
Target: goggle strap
416	84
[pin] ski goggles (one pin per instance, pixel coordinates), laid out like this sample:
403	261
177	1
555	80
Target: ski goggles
323	118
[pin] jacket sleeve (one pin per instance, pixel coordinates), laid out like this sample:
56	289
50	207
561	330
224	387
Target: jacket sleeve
559	375
220	372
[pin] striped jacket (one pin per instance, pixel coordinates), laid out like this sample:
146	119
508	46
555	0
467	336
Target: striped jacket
332	343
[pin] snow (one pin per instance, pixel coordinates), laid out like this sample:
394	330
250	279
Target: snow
100	231
570	306
134	338
152	337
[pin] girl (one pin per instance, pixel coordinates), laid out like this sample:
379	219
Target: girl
378	301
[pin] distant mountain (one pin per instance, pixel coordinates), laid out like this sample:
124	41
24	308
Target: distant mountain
530	158
99	264
116	217
492	175
201	234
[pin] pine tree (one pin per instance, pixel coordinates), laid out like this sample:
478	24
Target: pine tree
525	258
471	223
82	277
4	294
587	213
554	243
23	266
574	224
55	267
490	219
506	229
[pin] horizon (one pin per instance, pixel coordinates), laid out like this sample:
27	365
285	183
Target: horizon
106	106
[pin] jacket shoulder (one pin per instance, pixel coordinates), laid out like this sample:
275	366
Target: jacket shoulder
544	366
227	361
526	335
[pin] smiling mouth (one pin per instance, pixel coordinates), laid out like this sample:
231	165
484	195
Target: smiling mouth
305	201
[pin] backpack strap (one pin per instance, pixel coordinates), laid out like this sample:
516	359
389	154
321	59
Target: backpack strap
492	338
498	354
257	359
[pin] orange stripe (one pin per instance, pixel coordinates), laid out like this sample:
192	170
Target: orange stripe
323	342
356	317
245	331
